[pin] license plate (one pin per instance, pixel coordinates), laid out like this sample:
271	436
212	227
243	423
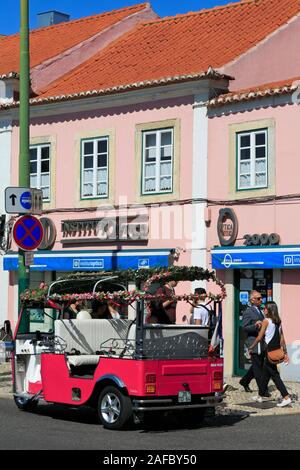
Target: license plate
184	397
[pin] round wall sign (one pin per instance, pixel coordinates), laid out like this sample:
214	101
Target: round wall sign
227	227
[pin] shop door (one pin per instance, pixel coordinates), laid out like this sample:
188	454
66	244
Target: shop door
246	280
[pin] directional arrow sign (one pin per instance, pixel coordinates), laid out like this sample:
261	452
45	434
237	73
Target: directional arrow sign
13	198
23	201
28	233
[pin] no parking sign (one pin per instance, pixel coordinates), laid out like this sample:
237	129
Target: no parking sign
28	233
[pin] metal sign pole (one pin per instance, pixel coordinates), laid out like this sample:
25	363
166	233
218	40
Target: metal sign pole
24	176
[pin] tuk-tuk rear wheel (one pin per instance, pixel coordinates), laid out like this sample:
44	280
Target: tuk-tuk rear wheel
114	408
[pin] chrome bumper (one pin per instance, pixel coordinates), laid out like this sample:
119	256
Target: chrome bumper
165	404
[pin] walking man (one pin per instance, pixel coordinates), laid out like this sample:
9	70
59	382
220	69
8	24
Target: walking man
252	321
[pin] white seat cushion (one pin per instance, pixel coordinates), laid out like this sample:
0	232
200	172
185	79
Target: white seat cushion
83	360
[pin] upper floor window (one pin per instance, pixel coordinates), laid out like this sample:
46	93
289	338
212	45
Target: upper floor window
158	160
40	169
252	148
94	168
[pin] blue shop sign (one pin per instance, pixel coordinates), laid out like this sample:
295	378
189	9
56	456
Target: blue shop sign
92	261
281	257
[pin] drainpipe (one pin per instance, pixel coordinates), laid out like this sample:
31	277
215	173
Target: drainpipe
24	178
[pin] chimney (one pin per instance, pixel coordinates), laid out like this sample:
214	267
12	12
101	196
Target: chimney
49	18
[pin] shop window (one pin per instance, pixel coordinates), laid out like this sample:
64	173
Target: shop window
94	168
158	161
252	160
40	169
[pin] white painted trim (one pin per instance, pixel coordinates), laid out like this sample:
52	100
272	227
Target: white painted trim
277	287
229	326
5	175
96	254
199	183
226	109
128	98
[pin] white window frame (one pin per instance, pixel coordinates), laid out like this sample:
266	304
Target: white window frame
95	168
158	134
39	173
253	159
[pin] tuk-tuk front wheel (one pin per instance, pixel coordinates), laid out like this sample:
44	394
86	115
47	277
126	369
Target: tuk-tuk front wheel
25	404
114	408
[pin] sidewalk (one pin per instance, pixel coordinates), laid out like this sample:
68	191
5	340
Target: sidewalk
5	379
239	402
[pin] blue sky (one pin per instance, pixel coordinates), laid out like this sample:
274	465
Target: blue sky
9	21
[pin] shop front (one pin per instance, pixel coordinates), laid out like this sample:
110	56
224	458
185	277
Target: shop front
274	272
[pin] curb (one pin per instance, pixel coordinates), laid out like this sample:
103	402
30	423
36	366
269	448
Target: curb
271	412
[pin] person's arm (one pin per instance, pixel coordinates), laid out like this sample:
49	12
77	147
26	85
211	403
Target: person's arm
192	309
261	334
198	322
166	303
283	345
248	325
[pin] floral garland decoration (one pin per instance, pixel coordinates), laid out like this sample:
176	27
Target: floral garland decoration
184	273
146	276
35	295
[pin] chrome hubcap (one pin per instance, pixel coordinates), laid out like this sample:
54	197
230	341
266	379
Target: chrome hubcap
110	408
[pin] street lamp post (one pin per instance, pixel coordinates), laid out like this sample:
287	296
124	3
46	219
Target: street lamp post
24	178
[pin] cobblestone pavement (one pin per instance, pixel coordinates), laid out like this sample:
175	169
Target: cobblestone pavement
237	402
5	379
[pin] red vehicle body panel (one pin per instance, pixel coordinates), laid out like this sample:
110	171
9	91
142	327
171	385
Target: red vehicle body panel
57	383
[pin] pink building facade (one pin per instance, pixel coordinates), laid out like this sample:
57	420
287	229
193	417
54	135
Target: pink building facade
154	162
253	145
150	156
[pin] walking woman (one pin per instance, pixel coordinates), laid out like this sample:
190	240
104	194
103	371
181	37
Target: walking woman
271	331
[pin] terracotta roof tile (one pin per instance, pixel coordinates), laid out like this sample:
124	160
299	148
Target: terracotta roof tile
282	87
49	42
180	45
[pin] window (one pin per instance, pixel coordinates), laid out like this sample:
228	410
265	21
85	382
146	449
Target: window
94	177
158	161
40	169
252	159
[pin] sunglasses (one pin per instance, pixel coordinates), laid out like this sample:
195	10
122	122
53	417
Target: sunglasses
258	298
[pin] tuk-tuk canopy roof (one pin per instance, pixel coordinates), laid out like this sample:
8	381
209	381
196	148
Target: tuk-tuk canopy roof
83	286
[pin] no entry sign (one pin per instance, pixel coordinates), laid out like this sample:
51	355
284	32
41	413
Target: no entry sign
28	233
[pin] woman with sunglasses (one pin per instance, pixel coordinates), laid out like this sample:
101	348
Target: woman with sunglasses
271	331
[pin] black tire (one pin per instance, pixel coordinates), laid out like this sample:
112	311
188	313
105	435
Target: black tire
26	404
114	408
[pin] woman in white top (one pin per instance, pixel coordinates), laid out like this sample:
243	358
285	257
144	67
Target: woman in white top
271	331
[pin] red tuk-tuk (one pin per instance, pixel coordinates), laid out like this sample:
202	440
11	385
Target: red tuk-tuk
124	368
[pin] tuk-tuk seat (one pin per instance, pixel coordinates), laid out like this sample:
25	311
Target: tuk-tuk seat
88	336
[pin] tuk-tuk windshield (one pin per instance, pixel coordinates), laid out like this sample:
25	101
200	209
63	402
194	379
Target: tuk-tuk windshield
37	319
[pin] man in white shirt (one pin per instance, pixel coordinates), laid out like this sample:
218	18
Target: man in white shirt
201	312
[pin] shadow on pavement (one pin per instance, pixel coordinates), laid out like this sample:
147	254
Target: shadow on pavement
84	415
152	424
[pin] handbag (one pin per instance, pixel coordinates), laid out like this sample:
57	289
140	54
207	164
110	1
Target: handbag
277	356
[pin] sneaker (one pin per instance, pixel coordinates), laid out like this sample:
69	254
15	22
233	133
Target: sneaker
285	402
257	398
261	399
